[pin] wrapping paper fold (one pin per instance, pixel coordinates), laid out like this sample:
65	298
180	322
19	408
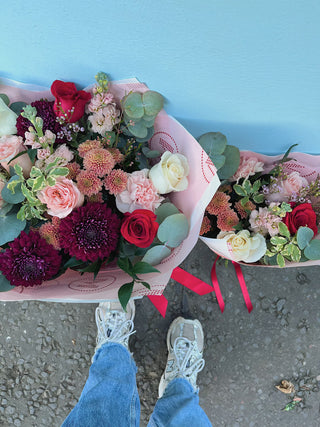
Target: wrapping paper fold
203	183
307	165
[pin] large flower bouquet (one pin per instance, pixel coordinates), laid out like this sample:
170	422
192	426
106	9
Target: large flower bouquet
268	211
88	183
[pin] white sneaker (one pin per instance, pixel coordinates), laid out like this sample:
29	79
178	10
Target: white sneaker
114	324
185	342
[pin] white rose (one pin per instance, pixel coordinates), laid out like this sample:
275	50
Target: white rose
170	174
243	246
7	120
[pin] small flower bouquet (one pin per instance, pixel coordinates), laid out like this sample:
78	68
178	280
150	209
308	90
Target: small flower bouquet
102	194
267	210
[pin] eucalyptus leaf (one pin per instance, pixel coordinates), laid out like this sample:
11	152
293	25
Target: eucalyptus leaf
312	251
213	143
152	102
165	210
5	285
5	98
17	107
232	162
10	228
173	230
156	254
133	105
304	236
138	129
218	160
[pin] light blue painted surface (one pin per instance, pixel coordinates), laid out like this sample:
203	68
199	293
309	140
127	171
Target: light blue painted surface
248	68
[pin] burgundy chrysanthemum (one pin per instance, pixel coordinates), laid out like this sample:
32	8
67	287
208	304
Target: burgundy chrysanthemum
90	232
45	111
29	260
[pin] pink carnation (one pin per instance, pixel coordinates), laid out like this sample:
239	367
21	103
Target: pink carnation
140	193
61	198
247	167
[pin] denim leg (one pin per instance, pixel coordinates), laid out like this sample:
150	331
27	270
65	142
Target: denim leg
110	396
179	407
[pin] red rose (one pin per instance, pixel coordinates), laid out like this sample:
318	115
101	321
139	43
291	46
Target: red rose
139	227
301	216
69	100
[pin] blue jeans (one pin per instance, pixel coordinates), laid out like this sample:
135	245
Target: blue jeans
110	396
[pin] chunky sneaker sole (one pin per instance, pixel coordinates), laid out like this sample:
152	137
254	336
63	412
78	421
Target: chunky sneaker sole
185	342
113	323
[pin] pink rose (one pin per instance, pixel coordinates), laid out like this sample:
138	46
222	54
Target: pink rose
10	146
247	167
139	194
61	198
281	191
293	183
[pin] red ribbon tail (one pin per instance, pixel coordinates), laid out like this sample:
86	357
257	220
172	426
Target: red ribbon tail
243	286
191	282
160	302
216	286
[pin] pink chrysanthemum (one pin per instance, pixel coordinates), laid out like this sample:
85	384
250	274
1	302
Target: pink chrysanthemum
116	181
242	210
227	219
87	146
116	154
88	183
90	232
99	161
29	260
50	232
74	169
219	203
205	226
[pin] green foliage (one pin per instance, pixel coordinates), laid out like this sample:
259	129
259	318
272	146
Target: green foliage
10	227
139	113
282	247
124	294
12	193
226	158
306	242
17	107
5	284
165	210
249	191
173	230
156	254
5	98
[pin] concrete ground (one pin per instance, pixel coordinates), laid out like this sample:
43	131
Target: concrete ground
46	348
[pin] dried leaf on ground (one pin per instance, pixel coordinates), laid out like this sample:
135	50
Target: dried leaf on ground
285	387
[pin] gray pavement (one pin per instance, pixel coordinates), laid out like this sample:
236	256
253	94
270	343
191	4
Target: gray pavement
46	348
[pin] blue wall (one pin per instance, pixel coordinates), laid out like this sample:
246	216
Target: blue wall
248	68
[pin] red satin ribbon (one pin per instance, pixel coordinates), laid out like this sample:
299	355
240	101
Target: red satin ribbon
243	286
201	288
160	302
216	286
191	282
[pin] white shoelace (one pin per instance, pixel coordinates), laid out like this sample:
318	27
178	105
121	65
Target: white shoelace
188	364
113	328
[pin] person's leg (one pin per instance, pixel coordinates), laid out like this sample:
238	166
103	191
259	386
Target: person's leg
178	404
110	395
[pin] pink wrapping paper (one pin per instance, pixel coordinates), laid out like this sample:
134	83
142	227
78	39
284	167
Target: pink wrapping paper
307	165
203	182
